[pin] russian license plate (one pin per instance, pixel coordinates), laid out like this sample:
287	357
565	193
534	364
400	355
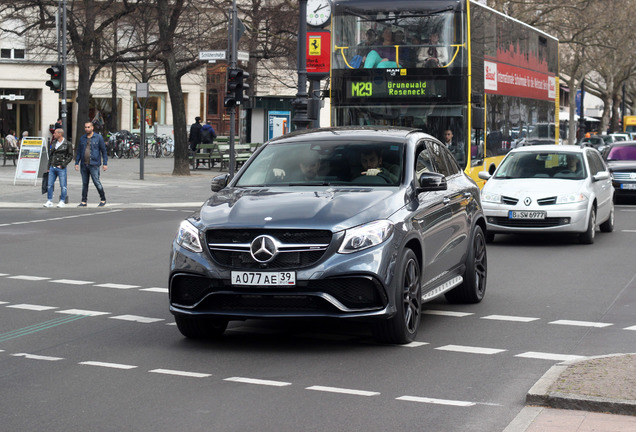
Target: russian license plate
631	186
512	214
264	278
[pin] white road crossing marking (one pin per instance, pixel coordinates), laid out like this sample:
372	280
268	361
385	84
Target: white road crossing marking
32	307
471	349
415	344
549	356
258	381
343	391
30	278
136	318
117	286
180	373
436	401
82	312
446	313
108	365
155	289
510	318
581	323
71	282
37	357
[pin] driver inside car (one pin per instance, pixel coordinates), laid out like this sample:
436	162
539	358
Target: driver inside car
371	161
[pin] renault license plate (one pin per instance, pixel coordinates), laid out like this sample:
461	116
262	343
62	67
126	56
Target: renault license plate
251	278
514	214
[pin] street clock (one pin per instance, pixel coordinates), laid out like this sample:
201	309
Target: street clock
318	12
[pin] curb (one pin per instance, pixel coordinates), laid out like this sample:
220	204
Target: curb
541	394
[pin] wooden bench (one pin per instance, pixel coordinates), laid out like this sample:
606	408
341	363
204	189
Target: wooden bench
206	153
5	153
242	152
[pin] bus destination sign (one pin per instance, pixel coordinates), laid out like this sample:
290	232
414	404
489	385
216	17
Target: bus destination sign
391	87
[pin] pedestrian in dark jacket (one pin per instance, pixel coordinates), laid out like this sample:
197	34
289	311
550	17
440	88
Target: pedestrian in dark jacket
60	155
195	134
91	150
207	137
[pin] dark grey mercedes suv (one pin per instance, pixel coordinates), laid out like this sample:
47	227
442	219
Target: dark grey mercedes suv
356	223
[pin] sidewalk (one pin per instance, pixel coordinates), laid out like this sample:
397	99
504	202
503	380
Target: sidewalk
595	394
122	186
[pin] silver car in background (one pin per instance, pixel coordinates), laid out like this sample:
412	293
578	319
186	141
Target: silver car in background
549	188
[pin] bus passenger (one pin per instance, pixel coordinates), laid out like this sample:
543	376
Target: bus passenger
435	54
384	56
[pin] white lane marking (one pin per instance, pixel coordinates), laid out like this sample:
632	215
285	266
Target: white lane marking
37	357
436	401
343	391
549	356
630	328
258	381
32	307
71	282
415	344
82	312
108	365
1	302
155	289
136	318
180	373
4	274
510	318
117	286
629	231
581	323
471	349
30	278
446	313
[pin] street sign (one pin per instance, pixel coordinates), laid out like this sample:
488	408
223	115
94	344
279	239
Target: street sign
243	56
211	55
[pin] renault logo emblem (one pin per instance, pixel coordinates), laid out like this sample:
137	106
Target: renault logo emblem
527	201
263	249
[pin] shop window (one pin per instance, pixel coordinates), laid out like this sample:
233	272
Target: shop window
155	112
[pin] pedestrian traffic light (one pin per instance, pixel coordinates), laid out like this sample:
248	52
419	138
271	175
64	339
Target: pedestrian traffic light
56	82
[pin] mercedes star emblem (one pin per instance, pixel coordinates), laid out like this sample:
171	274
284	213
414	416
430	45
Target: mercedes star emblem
263	249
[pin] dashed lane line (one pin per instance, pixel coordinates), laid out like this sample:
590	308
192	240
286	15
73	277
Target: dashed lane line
258	381
31	307
29	278
446	313
426	400
180	373
471	349
155	289
510	318
82	312
581	323
343	391
108	365
71	282
117	286
37	357
549	356
136	318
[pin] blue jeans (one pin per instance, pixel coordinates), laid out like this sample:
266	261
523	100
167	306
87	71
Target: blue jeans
93	171
54	173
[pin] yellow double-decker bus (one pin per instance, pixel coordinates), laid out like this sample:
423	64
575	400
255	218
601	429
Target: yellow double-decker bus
441	65
629	125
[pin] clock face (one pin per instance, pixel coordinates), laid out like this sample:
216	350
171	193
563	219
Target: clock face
318	12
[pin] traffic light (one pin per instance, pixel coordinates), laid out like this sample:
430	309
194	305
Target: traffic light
236	85
56	82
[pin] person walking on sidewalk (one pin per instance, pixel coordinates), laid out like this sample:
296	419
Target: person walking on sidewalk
60	155
91	151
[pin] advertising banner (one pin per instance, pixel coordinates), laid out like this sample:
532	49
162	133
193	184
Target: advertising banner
504	79
29	160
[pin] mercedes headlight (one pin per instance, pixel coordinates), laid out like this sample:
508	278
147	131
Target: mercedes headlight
366	236
188	237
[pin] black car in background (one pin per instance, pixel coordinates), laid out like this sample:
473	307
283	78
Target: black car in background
621	161
348	223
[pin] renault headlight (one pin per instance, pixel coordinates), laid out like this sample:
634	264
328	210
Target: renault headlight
571	198
491	197
188	237
366	236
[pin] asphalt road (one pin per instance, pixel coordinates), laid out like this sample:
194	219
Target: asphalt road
87	342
